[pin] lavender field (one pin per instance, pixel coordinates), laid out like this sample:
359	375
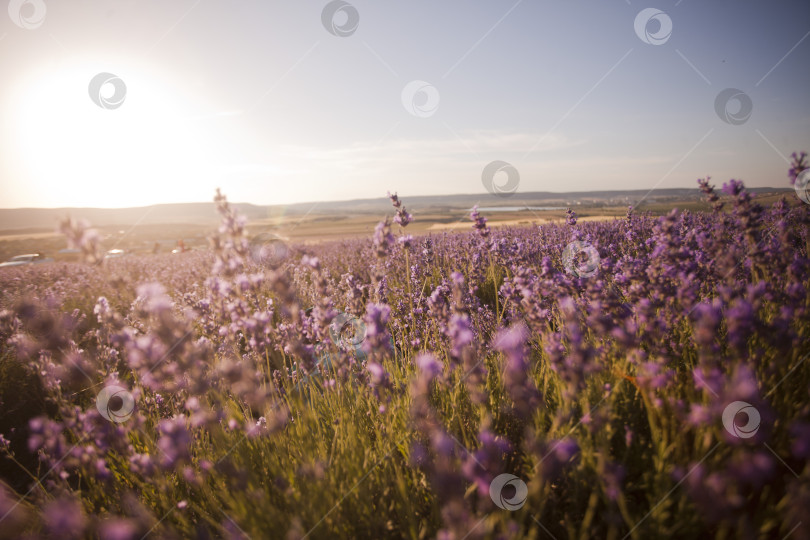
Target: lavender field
636	378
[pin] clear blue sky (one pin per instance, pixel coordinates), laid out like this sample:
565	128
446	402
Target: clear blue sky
259	98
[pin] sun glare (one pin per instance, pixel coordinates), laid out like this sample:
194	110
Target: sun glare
71	151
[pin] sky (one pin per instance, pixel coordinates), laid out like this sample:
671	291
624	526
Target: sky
117	103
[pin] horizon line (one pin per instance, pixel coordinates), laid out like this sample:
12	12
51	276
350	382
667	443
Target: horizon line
487	194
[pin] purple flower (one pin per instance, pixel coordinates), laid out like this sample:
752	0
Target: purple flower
155	299
711	196
733	187
383	239
80	236
517	374
461	334
429	365
378	340
479	222
118	529
801	440
797	165
442	443
64	518
174	442
556	455
654	376
142	464
613	475
570	217
754	469
402	217
482	465
379	377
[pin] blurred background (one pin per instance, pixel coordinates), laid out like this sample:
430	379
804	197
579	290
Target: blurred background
289	102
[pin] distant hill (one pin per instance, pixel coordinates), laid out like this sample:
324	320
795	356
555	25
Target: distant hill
46	219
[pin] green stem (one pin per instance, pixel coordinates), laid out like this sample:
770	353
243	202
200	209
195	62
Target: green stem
494	287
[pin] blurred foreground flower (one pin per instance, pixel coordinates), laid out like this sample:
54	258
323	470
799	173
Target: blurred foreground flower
80	236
